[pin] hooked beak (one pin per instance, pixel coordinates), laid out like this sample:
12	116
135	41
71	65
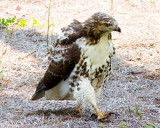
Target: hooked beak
118	29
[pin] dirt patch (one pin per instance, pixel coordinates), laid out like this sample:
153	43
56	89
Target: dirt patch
135	78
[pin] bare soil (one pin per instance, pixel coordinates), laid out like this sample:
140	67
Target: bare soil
135	78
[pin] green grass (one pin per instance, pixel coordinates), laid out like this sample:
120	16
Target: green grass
1	73
150	126
137	112
101	126
123	124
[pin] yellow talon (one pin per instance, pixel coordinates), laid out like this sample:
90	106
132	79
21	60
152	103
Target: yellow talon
79	109
100	115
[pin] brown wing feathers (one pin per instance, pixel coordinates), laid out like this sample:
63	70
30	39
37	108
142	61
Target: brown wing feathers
72	32
61	69
63	60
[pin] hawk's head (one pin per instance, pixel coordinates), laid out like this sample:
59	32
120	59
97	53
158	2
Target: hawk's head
100	23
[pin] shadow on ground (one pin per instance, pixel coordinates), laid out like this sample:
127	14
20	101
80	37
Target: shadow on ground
127	86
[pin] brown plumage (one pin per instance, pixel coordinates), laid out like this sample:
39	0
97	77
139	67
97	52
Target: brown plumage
58	70
80	62
92	28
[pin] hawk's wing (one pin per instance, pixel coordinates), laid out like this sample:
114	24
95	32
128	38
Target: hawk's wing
63	59
71	33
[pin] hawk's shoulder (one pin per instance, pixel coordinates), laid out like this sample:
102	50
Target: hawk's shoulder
70	33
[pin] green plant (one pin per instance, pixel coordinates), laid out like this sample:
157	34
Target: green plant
123	124
7	22
1	73
13	22
48	23
150	126
22	23
101	126
137	112
36	23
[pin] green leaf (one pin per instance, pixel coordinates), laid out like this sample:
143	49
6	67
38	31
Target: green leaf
101	126
1	73
151	125
22	23
9	20
3	20
38	25
17	20
35	22
13	19
6	22
137	112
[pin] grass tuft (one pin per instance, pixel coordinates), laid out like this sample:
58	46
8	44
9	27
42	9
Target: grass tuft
150	126
137	112
123	124
101	126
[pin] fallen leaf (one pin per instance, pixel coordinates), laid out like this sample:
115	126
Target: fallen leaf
4	52
7	80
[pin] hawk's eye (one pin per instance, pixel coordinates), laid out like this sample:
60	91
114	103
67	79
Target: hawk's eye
107	25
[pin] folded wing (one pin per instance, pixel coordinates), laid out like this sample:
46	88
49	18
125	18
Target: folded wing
63	59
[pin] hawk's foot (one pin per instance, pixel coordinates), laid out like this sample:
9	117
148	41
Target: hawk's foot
102	115
79	109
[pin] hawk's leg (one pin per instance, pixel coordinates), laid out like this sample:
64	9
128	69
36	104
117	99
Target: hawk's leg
79	109
86	93
100	115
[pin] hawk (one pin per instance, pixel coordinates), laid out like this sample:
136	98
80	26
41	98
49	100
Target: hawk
80	62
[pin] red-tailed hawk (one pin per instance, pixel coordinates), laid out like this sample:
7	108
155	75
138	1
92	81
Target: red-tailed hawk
80	62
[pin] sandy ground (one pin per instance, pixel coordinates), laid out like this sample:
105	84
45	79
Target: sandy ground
135	78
